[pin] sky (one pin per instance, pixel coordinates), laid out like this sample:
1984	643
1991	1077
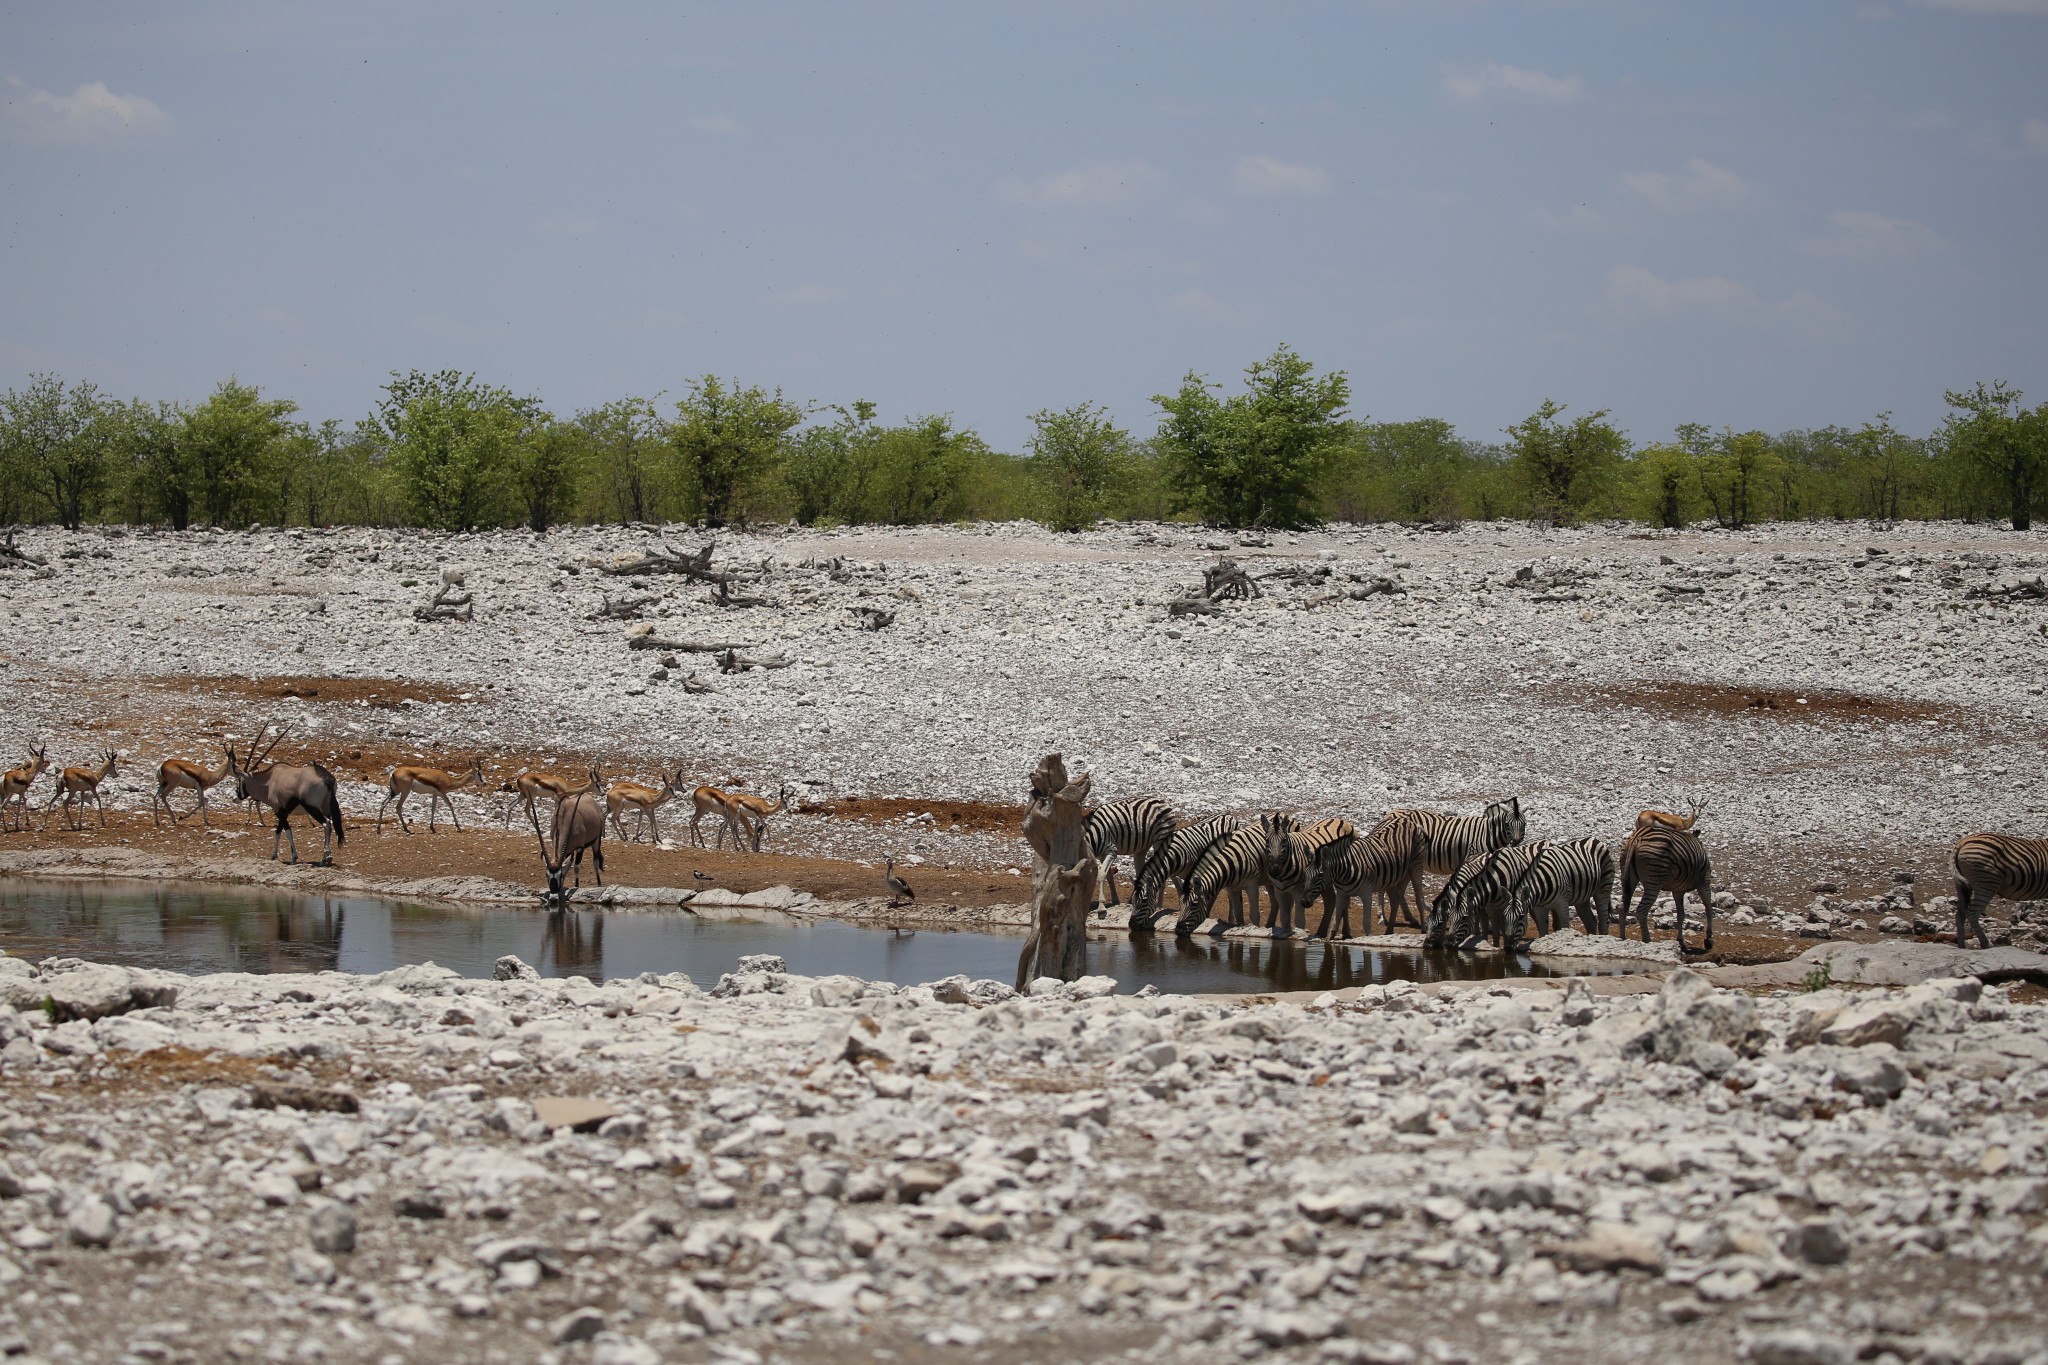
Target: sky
1759	215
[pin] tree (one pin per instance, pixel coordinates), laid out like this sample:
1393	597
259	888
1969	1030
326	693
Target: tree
452	441
159	469
2006	445
828	467
60	439
1733	470
1663	477
546	466
727	439
1257	458
1565	466
919	471
627	447
1079	456
233	445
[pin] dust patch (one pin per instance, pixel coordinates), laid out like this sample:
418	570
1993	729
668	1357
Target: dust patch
386	694
973	817
1690	699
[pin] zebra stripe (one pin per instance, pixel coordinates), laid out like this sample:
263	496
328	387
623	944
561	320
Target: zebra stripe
1475	899
1361	868
1235	863
1988	866
1130	827
1172	858
1576	874
1445	842
1666	859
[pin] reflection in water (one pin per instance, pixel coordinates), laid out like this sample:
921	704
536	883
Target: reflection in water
199	928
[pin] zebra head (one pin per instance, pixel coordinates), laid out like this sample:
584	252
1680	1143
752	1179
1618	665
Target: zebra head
1505	823
1283	855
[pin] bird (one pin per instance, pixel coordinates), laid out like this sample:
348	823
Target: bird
700	876
899	890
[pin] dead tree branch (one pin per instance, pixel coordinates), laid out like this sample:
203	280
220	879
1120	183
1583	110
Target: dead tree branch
872	618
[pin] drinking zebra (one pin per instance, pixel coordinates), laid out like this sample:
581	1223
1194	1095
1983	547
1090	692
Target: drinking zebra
1292	856
1474	902
1374	865
1131	827
1572	874
1172	859
1664	859
1444	843
1988	866
1235	863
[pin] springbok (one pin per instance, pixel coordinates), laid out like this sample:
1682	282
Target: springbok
530	785
1647	818
643	798
579	829
76	786
408	778
15	782
753	811
708	800
287	788
178	774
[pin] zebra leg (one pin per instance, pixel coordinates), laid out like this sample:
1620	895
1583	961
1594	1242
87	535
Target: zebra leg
1963	893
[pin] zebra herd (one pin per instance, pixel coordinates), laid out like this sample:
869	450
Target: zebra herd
1496	884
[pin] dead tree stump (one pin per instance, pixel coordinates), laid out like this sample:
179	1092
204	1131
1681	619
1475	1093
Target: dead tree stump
1063	875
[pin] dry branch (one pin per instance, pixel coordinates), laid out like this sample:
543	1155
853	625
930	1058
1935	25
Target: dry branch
732	661
872	618
1225	578
449	603
626	608
649	640
11	552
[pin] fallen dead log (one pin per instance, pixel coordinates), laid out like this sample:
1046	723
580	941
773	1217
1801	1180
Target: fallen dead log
2029	589
647	639
1225	578
15	554
625	609
1193	606
732	661
872	618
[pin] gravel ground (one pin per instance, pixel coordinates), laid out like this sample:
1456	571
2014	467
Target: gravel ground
389	1168
1846	698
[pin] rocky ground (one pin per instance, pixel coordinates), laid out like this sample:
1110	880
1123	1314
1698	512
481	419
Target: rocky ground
414	1166
1848	699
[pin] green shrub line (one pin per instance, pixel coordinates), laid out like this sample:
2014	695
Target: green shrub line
447	452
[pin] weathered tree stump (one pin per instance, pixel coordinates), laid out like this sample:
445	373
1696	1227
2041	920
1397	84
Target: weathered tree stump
1063	876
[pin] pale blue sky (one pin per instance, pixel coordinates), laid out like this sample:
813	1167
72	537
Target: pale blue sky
1767	215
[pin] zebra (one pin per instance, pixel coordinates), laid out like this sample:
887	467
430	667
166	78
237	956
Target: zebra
1292	857
1172	858
1664	859
1575	874
1235	863
1131	826
1988	866
1475	900
1376	864
1444	842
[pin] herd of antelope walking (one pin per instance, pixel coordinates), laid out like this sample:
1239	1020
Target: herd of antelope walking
579	810
1497	883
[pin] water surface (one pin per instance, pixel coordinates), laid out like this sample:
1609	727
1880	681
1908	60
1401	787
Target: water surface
198	927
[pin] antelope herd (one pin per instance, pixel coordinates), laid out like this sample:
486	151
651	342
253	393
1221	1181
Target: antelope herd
1496	885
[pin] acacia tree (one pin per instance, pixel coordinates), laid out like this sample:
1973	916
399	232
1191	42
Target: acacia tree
1733	469
2004	443
58	440
233	444
918	471
828	467
626	444
727	439
452	440
1257	458
159	470
546	466
1564	466
1079	457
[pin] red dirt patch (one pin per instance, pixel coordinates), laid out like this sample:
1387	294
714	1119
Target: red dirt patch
385	693
976	817
1692	699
